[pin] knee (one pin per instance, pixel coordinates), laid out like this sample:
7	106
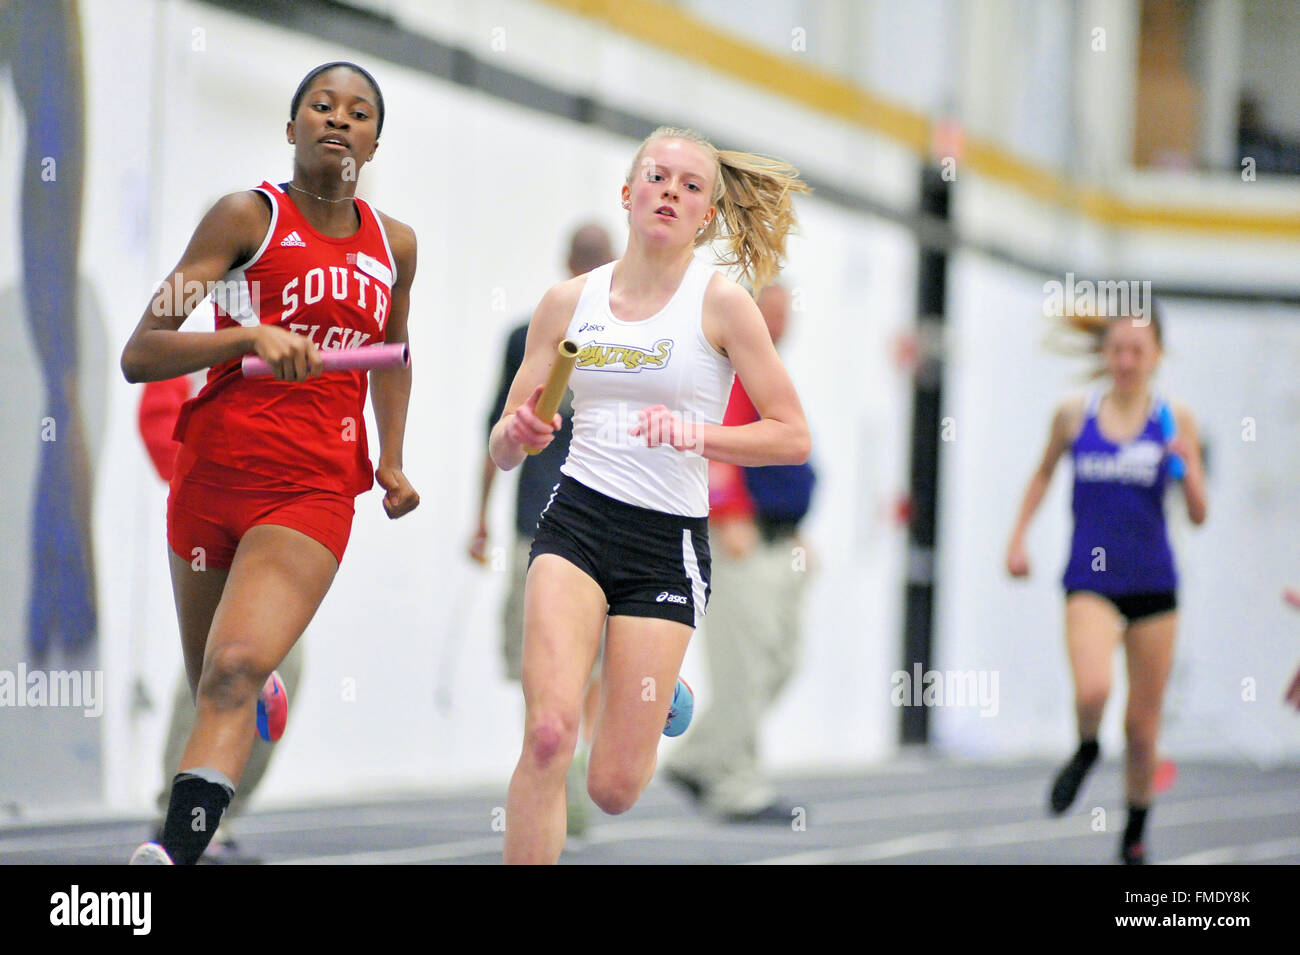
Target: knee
550	740
232	676
614	792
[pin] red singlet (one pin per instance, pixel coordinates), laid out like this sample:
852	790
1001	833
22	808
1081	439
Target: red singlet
337	291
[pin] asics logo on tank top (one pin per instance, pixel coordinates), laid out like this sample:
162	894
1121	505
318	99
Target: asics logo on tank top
599	356
1137	463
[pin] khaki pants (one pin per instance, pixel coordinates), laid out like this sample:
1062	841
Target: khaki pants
752	641
182	722
512	617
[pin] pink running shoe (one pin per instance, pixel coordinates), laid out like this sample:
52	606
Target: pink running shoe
272	709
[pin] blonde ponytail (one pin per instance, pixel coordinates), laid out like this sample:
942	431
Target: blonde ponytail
753	195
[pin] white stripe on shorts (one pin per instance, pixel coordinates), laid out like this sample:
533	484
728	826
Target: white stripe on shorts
549	501
692	568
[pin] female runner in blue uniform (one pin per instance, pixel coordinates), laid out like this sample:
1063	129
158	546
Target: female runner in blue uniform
1121	573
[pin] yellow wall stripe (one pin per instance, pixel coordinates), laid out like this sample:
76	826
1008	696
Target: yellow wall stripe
668	28
664	26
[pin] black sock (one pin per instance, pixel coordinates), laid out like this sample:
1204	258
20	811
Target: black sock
1137	820
199	797
1087	752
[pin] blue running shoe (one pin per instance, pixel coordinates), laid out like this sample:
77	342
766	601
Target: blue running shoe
680	710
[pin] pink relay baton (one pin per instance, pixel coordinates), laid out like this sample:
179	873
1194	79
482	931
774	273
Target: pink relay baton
365	358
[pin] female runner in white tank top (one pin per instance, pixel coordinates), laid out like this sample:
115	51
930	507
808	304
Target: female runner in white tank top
624	536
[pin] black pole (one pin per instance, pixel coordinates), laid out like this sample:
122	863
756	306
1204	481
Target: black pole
927	403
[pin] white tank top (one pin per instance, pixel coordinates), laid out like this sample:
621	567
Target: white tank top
624	366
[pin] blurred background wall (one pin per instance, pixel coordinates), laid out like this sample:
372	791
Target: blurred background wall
1148	141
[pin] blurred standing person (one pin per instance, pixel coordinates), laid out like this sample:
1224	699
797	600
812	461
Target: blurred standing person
752	637
589	248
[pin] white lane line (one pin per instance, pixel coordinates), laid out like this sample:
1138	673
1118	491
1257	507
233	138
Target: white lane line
847	810
1254	852
1188	812
435	852
1016	832
407	856
829	812
312	821
902	805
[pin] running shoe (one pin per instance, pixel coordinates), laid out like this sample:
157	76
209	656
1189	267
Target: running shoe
680	710
689	784
272	709
774	813
575	795
1135	854
1068	782
150	854
1165	774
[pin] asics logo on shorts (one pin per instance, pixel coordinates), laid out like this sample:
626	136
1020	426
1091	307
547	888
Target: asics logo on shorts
666	597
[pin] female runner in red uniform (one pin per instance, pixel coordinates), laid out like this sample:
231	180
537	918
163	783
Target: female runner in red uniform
261	500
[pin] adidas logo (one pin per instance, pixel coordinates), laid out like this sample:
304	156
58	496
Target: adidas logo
293	238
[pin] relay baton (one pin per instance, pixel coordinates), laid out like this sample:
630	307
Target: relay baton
1177	467
365	358
556	382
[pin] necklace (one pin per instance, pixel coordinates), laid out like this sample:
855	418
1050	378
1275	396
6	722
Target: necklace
293	185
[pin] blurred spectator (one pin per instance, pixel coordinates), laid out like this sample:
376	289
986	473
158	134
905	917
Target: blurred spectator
1273	153
752	630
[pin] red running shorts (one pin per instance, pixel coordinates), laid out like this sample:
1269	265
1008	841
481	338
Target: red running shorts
212	506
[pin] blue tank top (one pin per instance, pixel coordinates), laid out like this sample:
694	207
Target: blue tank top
1120	545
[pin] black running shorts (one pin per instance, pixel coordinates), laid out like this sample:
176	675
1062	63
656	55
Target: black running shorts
1135	607
648	563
